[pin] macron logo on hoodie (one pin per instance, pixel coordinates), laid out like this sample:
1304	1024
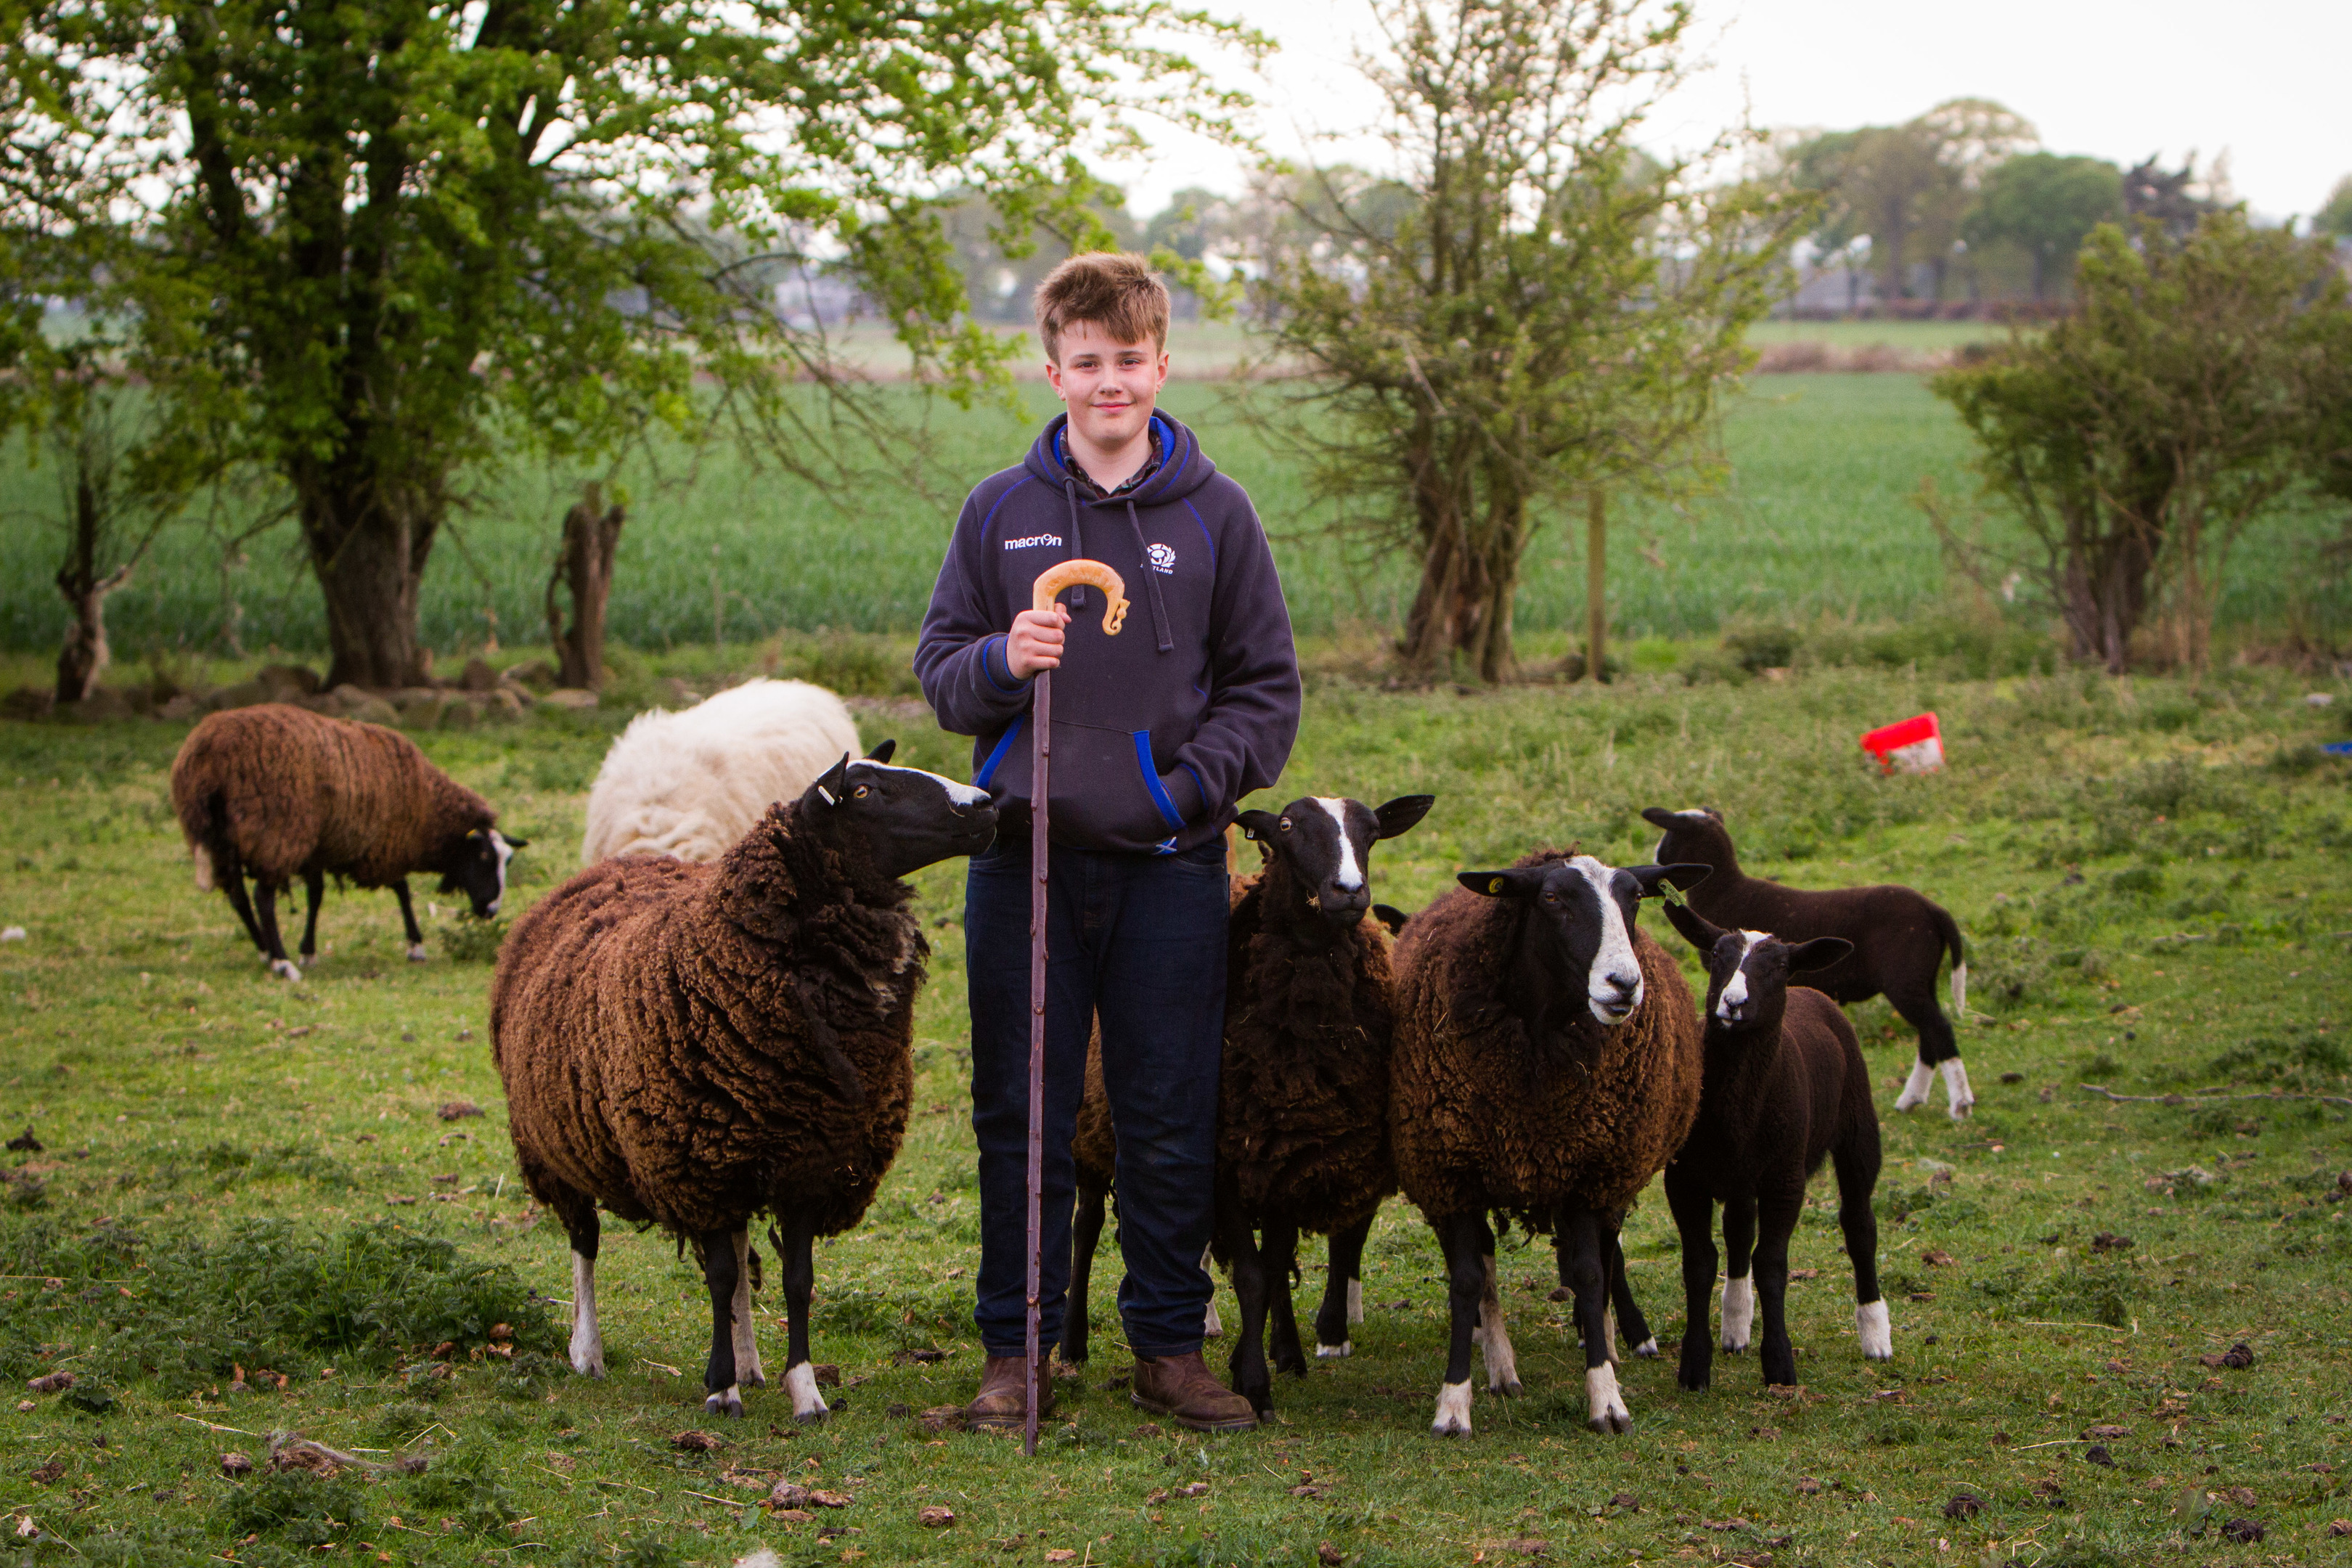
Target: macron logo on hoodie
1033	541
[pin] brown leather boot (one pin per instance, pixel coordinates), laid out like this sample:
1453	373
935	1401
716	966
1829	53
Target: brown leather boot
1181	1388
1003	1397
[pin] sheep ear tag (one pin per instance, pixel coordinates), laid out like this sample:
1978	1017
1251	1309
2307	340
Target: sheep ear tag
1520	883
1256	824
835	783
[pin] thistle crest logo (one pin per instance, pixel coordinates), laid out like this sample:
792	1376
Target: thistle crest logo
1162	558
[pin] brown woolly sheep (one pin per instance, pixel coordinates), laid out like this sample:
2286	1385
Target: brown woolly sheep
1547	1066
1899	938
1783	1089
694	1045
274	792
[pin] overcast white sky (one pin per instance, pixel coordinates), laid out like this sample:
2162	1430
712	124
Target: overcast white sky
2259	80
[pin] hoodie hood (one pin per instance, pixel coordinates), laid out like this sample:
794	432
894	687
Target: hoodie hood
1183	467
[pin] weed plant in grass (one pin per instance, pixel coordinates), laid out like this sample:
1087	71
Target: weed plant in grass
242	1172
1816	520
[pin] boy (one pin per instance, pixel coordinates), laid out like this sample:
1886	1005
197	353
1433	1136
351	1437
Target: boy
1157	734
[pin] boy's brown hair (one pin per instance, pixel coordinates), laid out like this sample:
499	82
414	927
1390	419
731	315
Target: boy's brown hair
1114	290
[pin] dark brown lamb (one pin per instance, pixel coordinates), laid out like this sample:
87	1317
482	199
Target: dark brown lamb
275	793
1547	1066
692	1046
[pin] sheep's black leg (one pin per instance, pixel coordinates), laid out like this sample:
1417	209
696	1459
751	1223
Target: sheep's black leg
1856	1158
1586	1253
1086	1235
719	1271
1280	1252
1466	1240
1739	1283
265	911
1631	1326
231	878
1247	1363
1778	1211
1343	1292
587	1337
1694	1213
408	921
314	889
795	1241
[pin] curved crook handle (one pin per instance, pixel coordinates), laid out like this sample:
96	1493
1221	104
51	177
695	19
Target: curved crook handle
1055	578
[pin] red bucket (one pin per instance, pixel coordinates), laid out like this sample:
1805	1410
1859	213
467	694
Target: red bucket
1913	746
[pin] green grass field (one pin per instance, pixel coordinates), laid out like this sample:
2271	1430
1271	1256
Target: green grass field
239	1174
1816	520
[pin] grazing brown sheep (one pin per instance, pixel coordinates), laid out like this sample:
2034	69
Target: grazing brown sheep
1547	1066
1899	936
275	793
695	1044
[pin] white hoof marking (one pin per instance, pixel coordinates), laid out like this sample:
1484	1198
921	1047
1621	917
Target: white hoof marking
284	969
1648	1349
1212	1326
1877	1334
1355	1300
1453	1410
1330	1353
728	1401
416	953
1605	1407
1956	1088
1914	1090
1739	1312
587	1343
808	1405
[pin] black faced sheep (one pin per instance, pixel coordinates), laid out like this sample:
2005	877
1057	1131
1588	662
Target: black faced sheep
1547	1066
1785	1087
1303	1098
691	1045
275	793
692	784
1899	936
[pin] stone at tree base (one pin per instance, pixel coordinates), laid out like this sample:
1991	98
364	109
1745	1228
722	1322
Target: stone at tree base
535	673
459	714
30	702
572	697
101	706
478	676
287	682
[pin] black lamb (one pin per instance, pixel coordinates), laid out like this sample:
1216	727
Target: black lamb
1783	1088
1899	935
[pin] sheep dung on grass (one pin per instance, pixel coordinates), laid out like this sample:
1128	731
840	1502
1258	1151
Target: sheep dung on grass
1899	935
691	1046
692	784
1783	1089
1547	1066
274	792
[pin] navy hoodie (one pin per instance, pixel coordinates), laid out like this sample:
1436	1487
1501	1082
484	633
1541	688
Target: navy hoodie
1158	731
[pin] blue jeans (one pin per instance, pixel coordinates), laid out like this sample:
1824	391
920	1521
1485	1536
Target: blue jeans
1140	940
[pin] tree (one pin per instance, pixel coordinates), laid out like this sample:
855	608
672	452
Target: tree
2135	440
2044	204
2334	218
395	241
1530	312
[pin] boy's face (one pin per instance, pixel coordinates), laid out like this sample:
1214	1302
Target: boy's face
1108	385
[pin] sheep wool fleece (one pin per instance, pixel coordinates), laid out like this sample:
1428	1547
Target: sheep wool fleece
298	791
1487	1119
651	1023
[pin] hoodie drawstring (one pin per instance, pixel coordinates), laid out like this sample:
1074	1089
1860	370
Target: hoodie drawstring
1151	581
1077	545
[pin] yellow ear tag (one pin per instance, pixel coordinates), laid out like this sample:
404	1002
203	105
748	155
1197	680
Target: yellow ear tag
1495	886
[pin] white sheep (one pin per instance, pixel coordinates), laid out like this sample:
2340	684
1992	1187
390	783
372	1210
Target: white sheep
691	785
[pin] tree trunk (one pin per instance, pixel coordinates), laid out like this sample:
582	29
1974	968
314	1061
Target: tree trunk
1469	578
369	541
584	567
1596	597
85	653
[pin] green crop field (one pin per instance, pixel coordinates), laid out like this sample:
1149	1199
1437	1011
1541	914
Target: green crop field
1816	519
249	1217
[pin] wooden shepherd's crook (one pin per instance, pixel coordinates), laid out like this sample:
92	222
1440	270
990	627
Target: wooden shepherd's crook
1049	585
